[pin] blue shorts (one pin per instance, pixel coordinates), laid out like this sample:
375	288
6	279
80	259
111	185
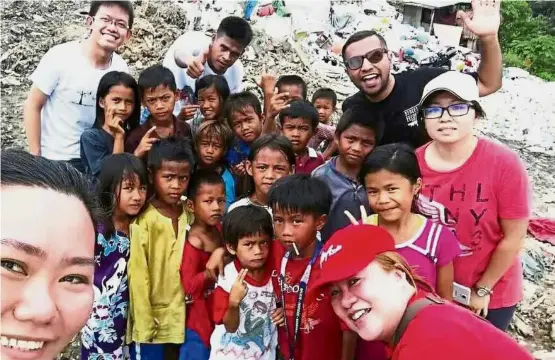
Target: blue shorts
193	348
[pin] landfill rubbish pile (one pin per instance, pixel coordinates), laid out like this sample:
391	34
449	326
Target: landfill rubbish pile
303	39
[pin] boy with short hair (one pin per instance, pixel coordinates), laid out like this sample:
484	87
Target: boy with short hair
158	95
157	304
203	251
61	103
243	112
356	135
300	205
291	88
212	140
298	123
246	325
324	100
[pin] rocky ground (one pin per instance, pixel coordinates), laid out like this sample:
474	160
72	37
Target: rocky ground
522	114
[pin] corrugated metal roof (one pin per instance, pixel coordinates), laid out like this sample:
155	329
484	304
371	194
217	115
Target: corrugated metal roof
433	4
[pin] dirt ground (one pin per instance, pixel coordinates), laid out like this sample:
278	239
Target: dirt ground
30	28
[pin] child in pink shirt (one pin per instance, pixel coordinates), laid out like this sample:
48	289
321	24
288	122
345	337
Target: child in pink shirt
480	189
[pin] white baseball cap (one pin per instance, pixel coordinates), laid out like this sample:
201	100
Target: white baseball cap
463	86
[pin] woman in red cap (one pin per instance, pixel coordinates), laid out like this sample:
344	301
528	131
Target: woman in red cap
377	295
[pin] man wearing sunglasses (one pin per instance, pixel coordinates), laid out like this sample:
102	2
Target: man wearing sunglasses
61	104
395	98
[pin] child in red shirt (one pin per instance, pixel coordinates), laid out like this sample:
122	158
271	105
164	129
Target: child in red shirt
201	259
300	205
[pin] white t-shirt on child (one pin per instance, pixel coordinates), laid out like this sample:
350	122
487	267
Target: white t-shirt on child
246	202
70	81
256	336
196	42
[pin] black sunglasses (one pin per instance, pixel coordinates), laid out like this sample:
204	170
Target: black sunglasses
374	56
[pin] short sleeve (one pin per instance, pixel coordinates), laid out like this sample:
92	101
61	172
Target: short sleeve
93	150
514	193
448	247
219	302
47	74
237	81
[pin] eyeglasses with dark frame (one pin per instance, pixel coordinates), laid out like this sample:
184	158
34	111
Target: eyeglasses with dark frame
374	56
454	110
106	20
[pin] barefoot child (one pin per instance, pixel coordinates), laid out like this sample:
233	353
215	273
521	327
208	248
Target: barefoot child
203	249
298	123
117	114
122	182
245	309
300	205
212	140
158	94
157	310
271	158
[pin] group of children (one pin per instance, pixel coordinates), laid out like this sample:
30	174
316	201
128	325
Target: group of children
216	228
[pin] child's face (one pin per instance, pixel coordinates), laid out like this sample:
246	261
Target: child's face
209	204
390	195
131	196
325	109
252	251
160	102
355	143
210	103
268	166
121	99
210	151
171	180
298	130
246	124
295	91
293	227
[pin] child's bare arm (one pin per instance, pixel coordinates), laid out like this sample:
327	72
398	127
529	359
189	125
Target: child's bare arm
445	278
237	293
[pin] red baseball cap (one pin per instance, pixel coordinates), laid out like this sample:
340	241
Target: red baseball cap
350	250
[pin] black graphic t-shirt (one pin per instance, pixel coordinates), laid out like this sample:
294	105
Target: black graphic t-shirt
399	111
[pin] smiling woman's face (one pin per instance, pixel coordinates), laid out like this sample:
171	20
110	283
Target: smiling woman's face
47	257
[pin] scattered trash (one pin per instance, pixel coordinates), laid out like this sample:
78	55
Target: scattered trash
543	229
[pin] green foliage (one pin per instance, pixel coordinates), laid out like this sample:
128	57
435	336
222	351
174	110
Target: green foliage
525	39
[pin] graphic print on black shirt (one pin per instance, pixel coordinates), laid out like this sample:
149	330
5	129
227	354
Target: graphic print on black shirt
399	111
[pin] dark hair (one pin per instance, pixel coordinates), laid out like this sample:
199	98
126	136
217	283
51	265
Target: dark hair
170	149
238	102
203	177
19	168
361	115
214	129
154	76
235	226
397	158
301	193
294	80
325	93
245	185
300	109
361	35
114	78
218	81
237	29
127	6
114	170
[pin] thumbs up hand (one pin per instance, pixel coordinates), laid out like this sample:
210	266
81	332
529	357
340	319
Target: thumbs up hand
195	67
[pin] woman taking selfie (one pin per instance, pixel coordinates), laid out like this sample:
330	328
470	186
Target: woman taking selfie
47	250
377	295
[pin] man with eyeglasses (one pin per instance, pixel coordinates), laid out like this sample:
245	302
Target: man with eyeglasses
194	55
395	98
61	104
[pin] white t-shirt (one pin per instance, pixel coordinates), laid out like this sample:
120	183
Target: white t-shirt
196	42
245	202
256	336
70	81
